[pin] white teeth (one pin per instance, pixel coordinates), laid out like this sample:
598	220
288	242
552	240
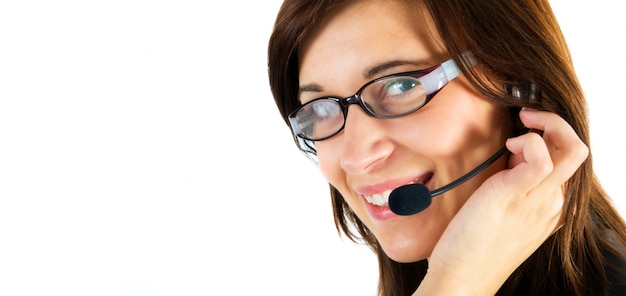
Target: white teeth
380	199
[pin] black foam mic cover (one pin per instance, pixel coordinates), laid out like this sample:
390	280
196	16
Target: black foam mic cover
409	199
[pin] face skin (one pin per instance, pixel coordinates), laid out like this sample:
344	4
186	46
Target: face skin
456	131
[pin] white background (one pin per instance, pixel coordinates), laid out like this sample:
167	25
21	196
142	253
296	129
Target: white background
141	153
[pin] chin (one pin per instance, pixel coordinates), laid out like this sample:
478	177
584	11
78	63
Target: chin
406	258
408	252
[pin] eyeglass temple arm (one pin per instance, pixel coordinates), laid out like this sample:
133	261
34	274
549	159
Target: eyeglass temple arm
449	70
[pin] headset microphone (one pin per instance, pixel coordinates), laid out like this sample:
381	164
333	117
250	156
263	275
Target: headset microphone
413	198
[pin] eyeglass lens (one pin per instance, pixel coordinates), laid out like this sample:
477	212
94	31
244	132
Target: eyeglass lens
385	98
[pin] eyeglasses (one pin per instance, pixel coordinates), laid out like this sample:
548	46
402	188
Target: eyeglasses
390	96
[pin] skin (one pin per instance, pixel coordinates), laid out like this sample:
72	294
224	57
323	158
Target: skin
450	136
477	234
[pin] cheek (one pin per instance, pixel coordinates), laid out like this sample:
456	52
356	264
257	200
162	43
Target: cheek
328	161
460	121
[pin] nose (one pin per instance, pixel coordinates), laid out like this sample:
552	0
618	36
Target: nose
365	146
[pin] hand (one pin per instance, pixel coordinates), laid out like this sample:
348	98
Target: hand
510	215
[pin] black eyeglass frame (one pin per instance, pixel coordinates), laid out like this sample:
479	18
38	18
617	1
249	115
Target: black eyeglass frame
446	71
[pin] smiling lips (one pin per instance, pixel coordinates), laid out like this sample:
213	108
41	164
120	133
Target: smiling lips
382	199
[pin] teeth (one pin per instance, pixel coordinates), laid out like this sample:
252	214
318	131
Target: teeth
379	199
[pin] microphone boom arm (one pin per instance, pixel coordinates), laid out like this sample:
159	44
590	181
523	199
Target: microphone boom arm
471	173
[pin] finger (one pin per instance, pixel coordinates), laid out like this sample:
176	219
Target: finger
530	161
544	192
515	159
567	151
548	123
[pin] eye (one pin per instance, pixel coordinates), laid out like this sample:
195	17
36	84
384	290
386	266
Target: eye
394	95
319	118
398	86
324	109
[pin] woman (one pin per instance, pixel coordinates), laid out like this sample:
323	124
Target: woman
354	81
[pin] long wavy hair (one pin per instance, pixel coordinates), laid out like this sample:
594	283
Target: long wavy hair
519	44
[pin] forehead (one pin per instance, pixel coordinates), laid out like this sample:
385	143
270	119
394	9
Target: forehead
365	33
376	15
354	18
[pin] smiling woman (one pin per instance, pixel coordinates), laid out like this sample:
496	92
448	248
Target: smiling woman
141	152
388	93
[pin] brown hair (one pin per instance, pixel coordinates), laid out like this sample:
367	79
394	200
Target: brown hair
518	43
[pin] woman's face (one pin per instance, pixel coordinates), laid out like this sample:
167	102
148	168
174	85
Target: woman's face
455	132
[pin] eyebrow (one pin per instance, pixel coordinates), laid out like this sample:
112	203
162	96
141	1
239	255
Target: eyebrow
376	70
369	73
